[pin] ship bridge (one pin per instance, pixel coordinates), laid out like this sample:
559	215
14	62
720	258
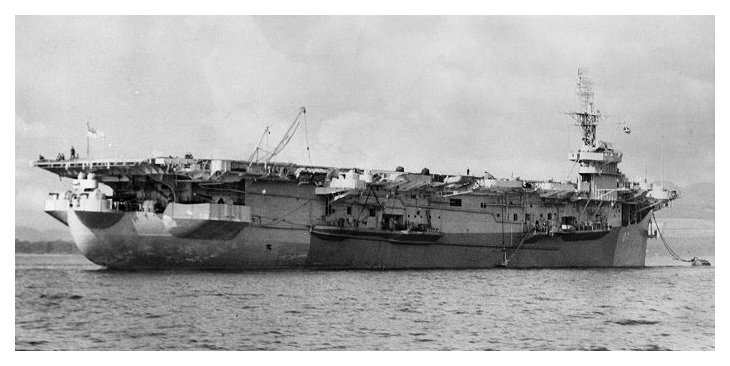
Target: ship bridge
611	156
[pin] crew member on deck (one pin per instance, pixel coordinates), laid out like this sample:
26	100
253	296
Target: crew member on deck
73	153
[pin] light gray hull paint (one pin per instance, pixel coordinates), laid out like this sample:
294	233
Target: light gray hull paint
142	241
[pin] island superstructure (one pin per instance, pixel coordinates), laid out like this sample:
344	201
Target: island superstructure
170	212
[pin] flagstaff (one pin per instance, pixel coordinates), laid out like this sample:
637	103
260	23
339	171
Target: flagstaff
91	132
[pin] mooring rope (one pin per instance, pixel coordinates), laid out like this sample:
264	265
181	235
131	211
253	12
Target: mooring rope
669	249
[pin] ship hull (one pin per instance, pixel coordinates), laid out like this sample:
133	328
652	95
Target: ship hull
146	241
618	247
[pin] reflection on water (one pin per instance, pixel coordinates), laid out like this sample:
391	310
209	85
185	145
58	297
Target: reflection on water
67	303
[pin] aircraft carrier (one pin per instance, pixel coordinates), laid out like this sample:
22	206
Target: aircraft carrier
171	212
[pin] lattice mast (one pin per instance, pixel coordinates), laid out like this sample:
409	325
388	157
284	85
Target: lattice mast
597	161
587	120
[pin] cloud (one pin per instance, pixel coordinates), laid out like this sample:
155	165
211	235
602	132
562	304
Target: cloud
37	131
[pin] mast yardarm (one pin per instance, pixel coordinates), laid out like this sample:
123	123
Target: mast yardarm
587	120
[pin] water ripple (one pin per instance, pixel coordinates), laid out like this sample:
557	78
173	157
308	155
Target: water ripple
79	307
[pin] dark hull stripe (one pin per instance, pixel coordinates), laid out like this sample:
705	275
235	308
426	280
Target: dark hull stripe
141	241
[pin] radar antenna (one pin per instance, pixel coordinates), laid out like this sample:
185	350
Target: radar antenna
587	120
584	89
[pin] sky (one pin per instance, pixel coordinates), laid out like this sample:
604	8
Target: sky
488	93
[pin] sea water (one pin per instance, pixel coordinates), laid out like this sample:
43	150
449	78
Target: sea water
64	302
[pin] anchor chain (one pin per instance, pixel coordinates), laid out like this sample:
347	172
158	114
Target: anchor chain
673	253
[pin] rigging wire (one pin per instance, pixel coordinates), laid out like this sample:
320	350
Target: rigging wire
282	217
288	135
306	137
522	241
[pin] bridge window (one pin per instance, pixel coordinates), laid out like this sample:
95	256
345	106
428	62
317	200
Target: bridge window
349	210
372	212
455	202
514	217
550	216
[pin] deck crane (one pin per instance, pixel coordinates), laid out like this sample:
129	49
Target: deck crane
268	155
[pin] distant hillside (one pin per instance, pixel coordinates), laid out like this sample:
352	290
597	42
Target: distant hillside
33	235
684	247
686	228
45	247
697	201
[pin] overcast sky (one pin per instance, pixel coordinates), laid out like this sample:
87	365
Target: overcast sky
445	93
